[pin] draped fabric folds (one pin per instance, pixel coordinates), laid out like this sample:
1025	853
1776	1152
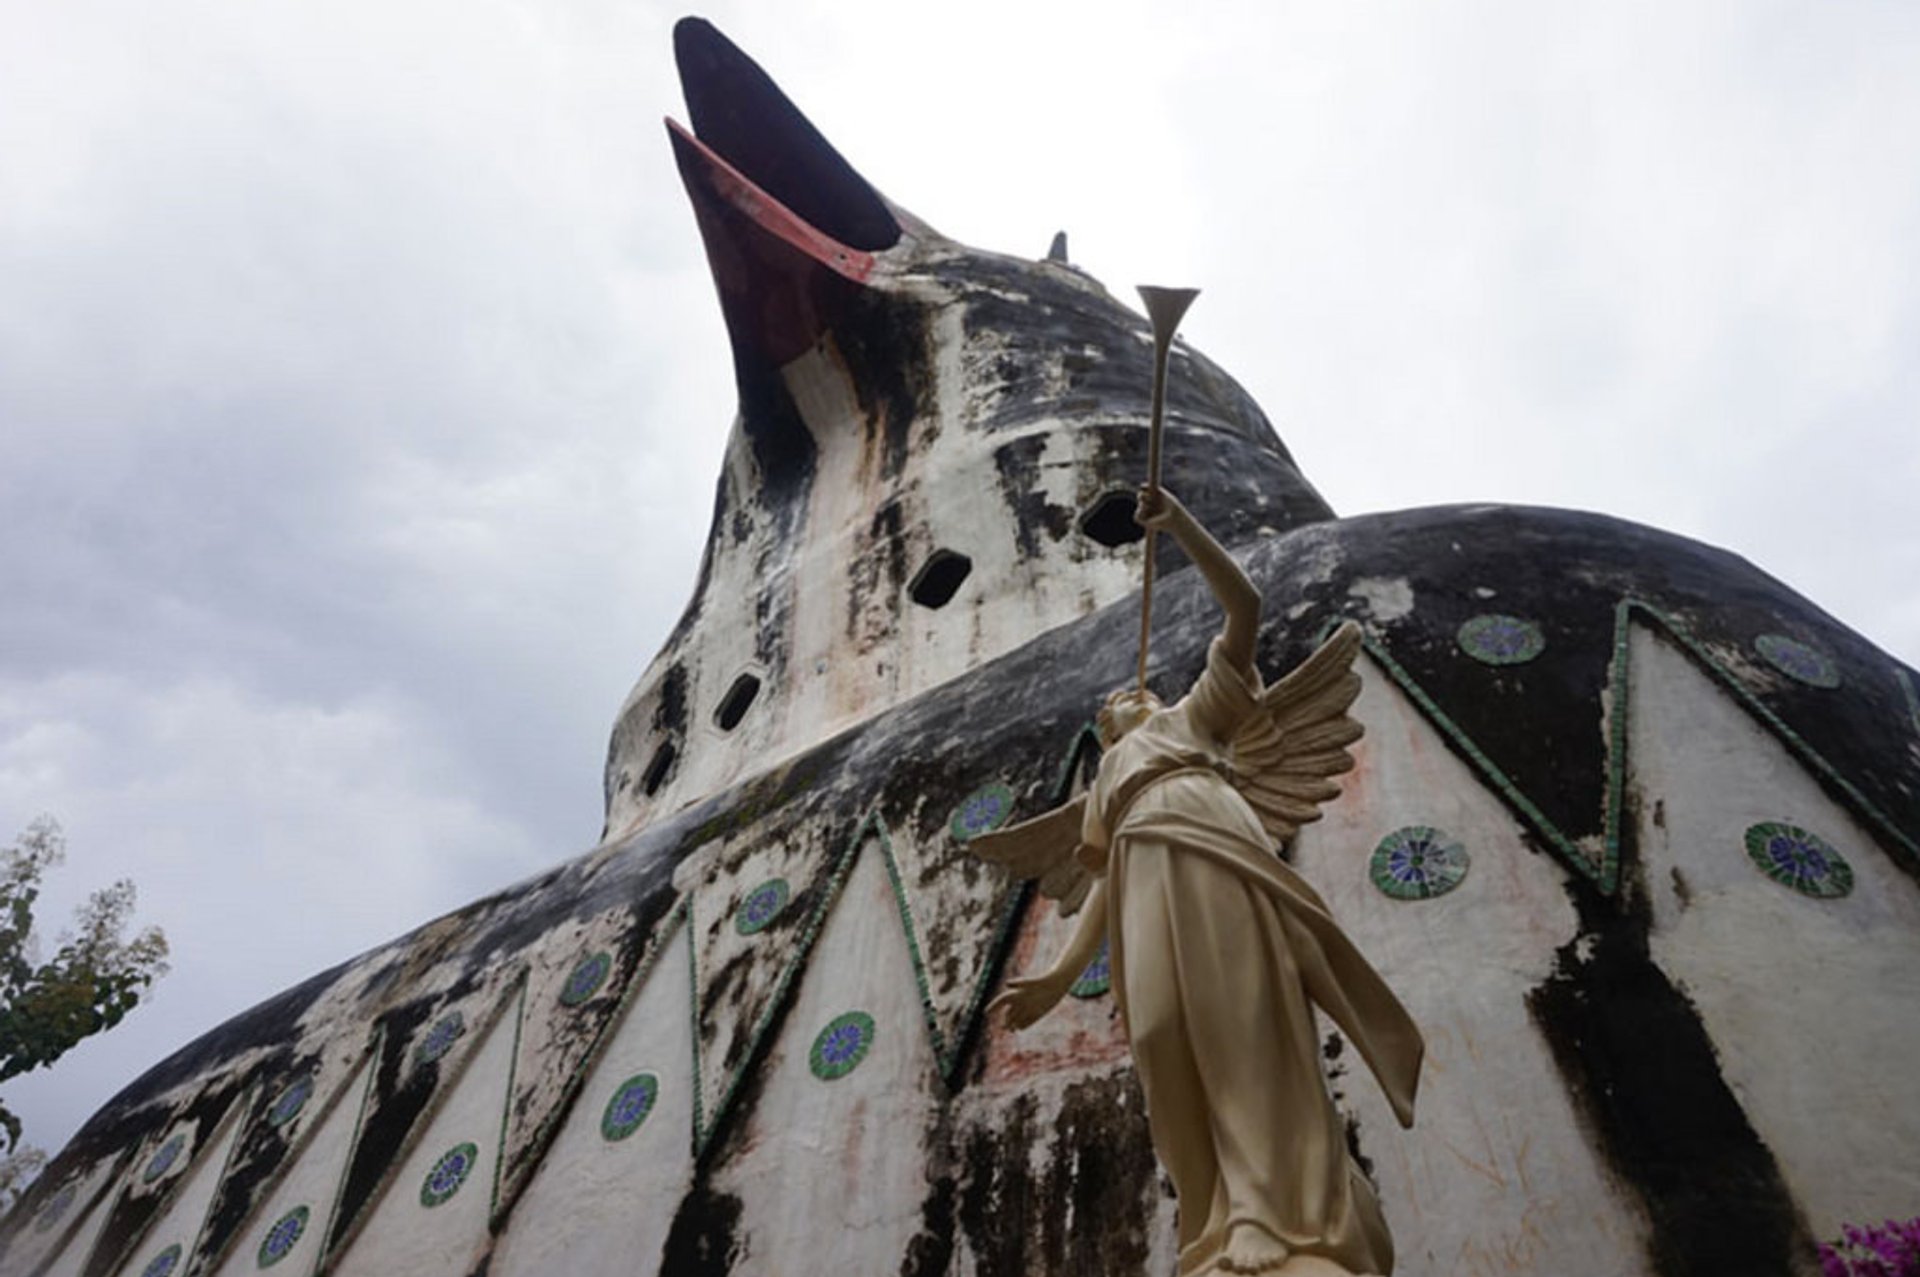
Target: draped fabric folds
1219	953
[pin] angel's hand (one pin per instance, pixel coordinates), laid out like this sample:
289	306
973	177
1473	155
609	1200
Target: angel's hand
1027	998
1155	507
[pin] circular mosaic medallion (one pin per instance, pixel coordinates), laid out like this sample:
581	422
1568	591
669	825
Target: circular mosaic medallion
841	1045
588	975
1501	640
1097	978
56	1208
280	1238
291	1101
762	905
1795	858
632	1101
440	1038
1798	660
982	810
163	1160
1418	863
163	1264
448	1174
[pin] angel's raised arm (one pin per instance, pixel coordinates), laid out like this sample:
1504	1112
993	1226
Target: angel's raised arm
1158	508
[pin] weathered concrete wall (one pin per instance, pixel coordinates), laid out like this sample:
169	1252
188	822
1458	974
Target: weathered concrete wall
602	1201
431	1217
1496	1177
177	1226
312	1184
1810	1000
66	1220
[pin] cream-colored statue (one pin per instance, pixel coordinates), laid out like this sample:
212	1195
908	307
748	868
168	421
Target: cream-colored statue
1219	950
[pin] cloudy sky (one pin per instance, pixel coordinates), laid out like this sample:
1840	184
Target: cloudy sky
362	391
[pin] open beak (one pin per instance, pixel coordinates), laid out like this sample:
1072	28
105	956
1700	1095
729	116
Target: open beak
790	227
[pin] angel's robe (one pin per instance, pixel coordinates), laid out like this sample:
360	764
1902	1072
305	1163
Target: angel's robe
1218	948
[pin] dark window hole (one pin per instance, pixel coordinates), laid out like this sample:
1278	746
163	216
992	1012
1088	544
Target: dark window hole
934	584
1110	520
733	706
656	773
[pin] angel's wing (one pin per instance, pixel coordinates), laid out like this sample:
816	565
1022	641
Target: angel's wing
1043	849
1286	757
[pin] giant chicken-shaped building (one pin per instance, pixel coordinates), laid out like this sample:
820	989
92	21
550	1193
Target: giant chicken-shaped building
1634	832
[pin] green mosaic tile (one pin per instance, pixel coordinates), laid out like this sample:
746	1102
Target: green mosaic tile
839	1048
1493	639
163	1160
586	978
1097	979
1418	862
163	1264
449	1173
630	1104
1793	857
982	811
291	1101
280	1239
762	905
440	1038
1798	660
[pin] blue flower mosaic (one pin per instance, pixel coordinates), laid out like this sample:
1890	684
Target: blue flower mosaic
1795	858
56	1209
762	905
448	1174
841	1046
1797	660
981	811
291	1101
1493	639
1418	862
163	1160
586	978
163	1264
1097	978
280	1238
632	1101
440	1038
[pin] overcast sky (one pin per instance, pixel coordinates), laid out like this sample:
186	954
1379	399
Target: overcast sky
362	389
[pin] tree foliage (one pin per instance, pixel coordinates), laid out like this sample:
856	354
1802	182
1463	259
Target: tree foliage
95	976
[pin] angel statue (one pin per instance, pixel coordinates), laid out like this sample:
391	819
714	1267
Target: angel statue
1219	950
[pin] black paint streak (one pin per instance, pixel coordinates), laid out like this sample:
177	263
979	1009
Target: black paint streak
1646	1079
1018	463
888	350
930	1253
400	1092
1098	1172
704	1240
130	1216
258	1158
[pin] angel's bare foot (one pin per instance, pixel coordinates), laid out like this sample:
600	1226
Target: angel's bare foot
1252	1249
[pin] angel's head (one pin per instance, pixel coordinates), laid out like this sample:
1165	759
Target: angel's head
1125	709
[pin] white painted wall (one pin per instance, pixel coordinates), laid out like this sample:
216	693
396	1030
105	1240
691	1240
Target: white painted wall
851	654
832	1173
598	1208
403	1236
1811	1003
179	1221
1496	1177
76	1226
313	1180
